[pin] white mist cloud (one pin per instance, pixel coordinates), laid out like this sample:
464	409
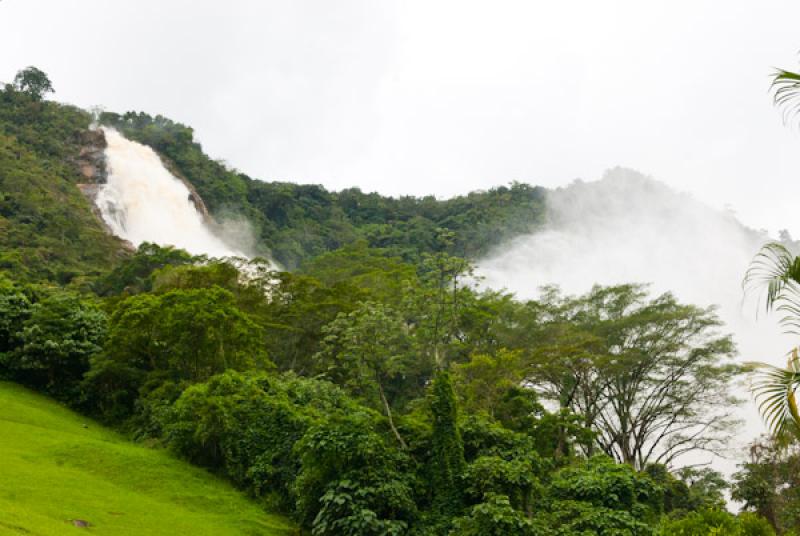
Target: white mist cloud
627	228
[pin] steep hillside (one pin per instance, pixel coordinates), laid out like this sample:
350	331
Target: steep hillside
59	467
47	228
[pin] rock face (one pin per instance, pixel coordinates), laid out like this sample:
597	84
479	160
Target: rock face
91	164
91	161
93	172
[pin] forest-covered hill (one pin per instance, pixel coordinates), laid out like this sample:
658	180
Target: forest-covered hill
372	390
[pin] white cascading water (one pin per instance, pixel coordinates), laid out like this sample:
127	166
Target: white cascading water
143	202
627	228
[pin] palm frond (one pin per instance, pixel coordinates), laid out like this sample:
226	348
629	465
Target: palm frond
786	92
775	270
775	390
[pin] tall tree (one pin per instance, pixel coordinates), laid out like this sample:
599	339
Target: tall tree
447	450
436	303
186	334
366	350
650	374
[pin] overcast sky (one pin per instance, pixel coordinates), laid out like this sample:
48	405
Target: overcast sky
443	97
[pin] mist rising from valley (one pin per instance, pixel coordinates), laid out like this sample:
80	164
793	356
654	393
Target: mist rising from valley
628	228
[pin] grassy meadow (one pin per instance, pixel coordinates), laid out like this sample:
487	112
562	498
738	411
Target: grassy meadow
56	466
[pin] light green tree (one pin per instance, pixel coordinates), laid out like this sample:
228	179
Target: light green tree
366	350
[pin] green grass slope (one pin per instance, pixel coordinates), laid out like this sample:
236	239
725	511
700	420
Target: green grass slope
53	470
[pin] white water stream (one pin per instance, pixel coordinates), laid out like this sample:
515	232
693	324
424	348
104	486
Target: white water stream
143	202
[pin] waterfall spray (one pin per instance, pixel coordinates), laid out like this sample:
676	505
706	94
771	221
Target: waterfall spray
143	202
628	228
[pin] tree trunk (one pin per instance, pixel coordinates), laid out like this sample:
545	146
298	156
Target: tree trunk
389	417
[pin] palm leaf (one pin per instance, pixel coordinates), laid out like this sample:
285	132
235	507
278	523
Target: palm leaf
775	390
786	92
775	269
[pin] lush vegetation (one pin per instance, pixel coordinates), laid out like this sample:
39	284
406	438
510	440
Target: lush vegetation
60	468
373	390
47	229
372	396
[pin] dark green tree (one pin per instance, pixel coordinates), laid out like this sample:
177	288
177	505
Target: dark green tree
496	517
447	450
58	338
598	496
351	482
34	82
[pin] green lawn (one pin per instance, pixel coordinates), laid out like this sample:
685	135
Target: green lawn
54	470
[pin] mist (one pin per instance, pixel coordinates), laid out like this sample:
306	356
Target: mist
143	202
629	228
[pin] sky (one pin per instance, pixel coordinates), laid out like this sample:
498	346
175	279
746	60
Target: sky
444	97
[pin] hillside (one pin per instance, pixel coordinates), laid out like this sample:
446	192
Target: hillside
47	229
58	466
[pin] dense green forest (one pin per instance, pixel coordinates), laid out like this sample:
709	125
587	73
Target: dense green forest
371	389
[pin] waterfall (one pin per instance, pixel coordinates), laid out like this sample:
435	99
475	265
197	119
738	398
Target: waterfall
143	202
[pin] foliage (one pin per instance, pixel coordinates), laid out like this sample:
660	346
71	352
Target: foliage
47	228
247	426
716	522
135	273
769	483
178	336
689	489
777	269
496	517
647	375
786	91
380	274
351	482
437	304
620	497
367	350
33	82
487	379
299	308
515	477
776	391
447	450
48	341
